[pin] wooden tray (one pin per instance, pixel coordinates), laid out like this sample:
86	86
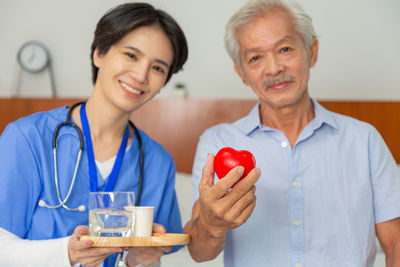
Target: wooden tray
139	241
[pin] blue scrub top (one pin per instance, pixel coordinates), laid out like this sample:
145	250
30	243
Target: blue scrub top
27	176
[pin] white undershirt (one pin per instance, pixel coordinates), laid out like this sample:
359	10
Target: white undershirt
106	167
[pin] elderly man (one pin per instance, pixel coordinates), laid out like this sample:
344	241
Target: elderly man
329	184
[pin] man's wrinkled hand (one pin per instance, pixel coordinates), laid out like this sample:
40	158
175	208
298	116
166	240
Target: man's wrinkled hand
228	203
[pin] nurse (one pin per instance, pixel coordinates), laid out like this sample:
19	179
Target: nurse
135	50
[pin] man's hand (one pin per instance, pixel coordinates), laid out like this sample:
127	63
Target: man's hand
147	255
220	208
82	252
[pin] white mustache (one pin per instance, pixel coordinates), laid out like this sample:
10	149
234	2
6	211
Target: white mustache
278	79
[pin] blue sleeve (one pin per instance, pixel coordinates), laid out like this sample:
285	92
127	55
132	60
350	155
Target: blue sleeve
20	184
385	177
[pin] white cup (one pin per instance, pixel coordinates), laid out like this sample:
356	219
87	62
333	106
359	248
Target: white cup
143	225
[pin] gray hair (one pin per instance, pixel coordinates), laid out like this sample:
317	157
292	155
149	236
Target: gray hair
254	8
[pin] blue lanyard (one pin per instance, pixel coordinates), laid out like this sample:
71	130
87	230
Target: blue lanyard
112	178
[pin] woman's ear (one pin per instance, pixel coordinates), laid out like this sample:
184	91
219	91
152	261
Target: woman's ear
97	58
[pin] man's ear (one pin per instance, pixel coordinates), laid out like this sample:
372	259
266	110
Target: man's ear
239	71
314	52
97	58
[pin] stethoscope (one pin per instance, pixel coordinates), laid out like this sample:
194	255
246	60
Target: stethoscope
69	122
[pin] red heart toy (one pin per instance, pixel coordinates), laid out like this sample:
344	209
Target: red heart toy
228	158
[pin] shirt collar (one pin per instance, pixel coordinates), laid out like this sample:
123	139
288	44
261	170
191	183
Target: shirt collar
322	116
252	121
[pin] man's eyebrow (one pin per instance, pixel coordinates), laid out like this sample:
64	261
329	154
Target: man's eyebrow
287	38
137	50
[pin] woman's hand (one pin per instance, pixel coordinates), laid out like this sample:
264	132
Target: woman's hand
147	255
83	252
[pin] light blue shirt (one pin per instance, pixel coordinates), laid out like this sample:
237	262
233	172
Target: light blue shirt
317	203
27	176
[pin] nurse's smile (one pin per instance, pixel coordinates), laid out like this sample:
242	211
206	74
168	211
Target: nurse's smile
131	90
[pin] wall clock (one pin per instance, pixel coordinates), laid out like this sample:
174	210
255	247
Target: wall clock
33	56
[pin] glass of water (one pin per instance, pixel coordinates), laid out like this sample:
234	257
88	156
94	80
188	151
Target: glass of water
110	214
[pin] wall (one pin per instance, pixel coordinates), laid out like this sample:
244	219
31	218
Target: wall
359	46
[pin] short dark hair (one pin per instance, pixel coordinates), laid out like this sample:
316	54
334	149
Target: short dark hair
123	19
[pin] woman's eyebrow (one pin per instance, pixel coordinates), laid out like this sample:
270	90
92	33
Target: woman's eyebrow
137	50
134	49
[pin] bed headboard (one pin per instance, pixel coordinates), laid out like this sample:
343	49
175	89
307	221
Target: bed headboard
178	123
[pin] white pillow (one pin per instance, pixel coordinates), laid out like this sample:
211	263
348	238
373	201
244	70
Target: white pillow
184	193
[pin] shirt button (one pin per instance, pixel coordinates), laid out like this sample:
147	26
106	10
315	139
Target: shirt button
294	184
298	264
284	144
296	223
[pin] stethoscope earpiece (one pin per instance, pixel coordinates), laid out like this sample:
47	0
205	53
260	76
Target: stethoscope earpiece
82	208
42	203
